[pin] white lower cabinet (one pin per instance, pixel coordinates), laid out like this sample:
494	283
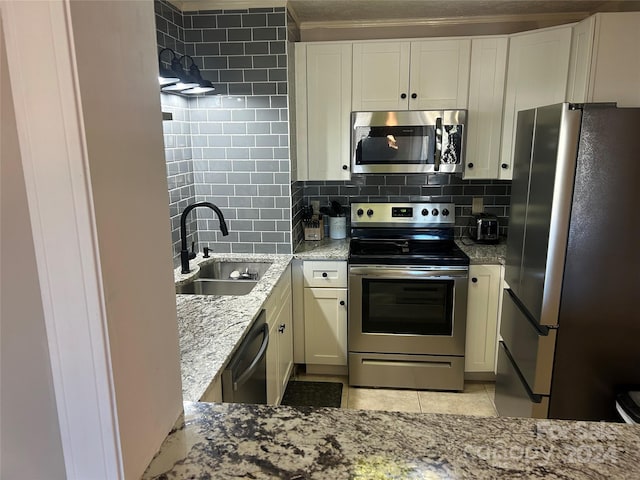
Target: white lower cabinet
326	326
483	307
280	350
325	313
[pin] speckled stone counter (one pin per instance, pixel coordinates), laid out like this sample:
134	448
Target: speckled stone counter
325	249
211	326
227	441
483	254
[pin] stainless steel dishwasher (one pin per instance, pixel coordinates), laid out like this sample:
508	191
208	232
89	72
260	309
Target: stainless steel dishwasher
244	380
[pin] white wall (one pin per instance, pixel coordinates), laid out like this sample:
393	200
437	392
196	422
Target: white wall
123	126
30	445
92	154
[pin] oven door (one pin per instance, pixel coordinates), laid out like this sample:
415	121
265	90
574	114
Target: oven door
412	310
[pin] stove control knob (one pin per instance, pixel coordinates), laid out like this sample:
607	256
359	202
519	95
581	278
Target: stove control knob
425	212
445	212
360	212
434	212
369	212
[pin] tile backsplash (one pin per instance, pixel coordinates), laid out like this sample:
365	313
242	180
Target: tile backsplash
496	194
236	148
238	139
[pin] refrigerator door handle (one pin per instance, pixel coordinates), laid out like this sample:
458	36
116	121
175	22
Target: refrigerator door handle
534	397
541	329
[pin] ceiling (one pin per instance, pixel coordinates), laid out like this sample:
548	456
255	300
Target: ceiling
357	19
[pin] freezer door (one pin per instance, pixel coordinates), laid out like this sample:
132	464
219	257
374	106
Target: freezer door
553	160
531	348
513	399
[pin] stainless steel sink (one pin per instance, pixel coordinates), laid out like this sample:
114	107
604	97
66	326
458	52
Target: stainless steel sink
216	287
223	270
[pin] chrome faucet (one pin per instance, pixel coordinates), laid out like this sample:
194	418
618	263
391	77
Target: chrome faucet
185	254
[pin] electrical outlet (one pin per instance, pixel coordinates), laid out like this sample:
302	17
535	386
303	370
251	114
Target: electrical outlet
478	205
315	204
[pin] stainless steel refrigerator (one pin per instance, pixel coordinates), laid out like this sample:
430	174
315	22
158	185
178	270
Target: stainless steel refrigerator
570	324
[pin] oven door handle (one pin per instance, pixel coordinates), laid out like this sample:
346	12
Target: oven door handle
442	273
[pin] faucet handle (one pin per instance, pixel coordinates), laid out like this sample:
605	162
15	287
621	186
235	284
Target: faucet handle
192	253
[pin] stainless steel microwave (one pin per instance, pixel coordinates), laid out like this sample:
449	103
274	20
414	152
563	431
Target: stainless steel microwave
430	141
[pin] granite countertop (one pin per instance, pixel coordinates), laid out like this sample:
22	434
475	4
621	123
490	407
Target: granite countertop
211	326
325	249
233	441
483	253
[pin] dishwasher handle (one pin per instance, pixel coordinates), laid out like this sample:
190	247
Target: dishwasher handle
239	381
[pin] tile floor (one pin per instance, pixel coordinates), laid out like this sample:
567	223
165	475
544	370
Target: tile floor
476	399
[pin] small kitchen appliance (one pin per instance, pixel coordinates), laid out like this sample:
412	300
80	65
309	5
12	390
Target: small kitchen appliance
407	297
484	228
428	141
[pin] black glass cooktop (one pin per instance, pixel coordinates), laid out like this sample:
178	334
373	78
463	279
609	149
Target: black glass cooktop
406	252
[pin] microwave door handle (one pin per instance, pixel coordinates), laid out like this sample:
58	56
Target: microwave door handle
437	154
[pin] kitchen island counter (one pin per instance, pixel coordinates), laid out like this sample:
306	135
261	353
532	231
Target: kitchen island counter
232	441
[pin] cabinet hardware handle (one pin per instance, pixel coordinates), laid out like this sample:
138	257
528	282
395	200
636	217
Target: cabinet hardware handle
414	95
403	95
344	167
281	328
342	302
504	165
324	274
470	165
474	280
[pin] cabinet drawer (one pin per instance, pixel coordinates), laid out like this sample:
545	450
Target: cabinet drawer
325	274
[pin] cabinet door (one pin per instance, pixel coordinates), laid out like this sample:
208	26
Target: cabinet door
439	74
325	312
273	381
580	60
536	75
615	67
285	343
380	76
486	96
482	317
328	111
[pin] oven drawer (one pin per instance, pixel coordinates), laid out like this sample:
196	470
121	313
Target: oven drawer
325	274
434	372
513	398
532	350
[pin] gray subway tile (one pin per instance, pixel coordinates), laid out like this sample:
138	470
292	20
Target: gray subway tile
234	102
267	141
250	237
220	165
240	89
277	19
226	21
232	48
258	102
237	178
248	213
241	248
259	128
261	153
236	201
204	21
277	47
264	225
254	20
267	115
279	101
256	48
239	34
237	153
246	190
231	76
267	166
267	33
263	179
243	141
240	62
279	127
265	248
234	128
262	202
265	61
256	75
215	63
244	165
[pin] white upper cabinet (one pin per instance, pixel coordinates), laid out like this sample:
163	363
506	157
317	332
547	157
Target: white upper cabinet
419	75
536	75
323	110
380	76
486	96
605	60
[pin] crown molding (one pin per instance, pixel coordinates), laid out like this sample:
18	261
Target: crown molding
447	21
194	5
